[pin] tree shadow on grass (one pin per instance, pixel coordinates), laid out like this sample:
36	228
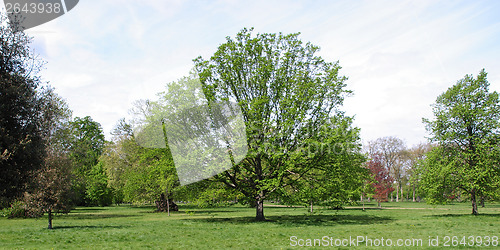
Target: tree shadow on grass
87	209
303	220
98	216
209	212
88	227
187	211
466	215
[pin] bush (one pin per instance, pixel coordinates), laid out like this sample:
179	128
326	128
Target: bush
5	212
16	210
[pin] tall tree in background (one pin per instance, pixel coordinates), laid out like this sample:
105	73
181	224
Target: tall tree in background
118	155
86	145
467	129
97	192
135	173
286	94
414	158
382	181
390	151
21	141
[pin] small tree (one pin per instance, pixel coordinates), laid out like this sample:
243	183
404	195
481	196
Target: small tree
52	193
382	181
50	189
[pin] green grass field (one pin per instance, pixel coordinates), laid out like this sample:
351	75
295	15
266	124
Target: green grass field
128	227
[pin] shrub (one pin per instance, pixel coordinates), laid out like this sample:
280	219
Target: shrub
16	210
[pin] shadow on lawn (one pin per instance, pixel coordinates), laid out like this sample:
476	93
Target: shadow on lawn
467	215
98	216
207	211
187	211
304	220
87	227
87	209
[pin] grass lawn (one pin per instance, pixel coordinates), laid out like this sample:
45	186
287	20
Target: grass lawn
128	227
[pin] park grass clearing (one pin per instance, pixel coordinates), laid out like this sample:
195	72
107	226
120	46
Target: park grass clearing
130	227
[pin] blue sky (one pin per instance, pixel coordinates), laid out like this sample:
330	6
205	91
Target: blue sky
399	55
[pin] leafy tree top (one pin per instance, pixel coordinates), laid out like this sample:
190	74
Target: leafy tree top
466	113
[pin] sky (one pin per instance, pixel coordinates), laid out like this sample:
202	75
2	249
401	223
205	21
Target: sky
398	55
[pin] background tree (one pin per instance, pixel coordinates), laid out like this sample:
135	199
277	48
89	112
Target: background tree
437	176
97	190
338	178
414	158
286	94
86	145
382	181
50	191
118	155
21	141
137	174
207	193
466	127
390	151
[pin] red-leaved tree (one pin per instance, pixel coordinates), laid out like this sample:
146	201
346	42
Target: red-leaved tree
382	181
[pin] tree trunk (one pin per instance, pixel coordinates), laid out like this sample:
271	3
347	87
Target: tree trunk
168	207
473	199
168	202
482	201
311	209
50	219
379	204
413	193
259	199
363	201
260	210
397	193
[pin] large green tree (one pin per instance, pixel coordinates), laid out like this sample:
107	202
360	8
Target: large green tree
467	129
22	147
287	94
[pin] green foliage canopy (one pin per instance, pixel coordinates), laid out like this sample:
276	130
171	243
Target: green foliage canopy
467	129
286	93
